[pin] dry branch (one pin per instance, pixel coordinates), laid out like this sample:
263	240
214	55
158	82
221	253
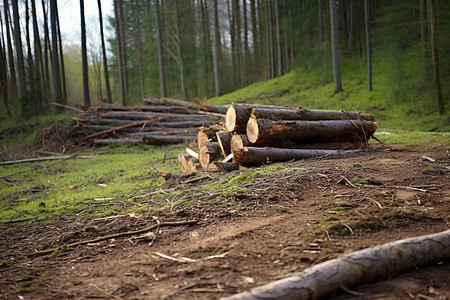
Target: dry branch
363	266
116	235
256	155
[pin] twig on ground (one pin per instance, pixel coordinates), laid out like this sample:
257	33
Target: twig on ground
105	292
116	235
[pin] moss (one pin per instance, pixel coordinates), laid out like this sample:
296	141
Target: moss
28	288
6	263
356	179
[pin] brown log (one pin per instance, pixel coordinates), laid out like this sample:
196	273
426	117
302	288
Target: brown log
142	115
224	140
104	142
208	153
239	141
276	132
112	129
359	267
238	115
167	139
211	107
219	166
170	102
146	108
187	132
188	164
256	155
207	133
168	123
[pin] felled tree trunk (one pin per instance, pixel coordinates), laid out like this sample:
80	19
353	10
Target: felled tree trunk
167	139
211	107
208	153
239	141
238	115
255	155
218	166
171	102
104	142
261	131
363	266
188	164
224	140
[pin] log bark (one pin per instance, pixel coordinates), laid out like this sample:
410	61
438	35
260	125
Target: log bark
188	164
277	132
104	142
170	102
363	266
219	166
208	152
238	115
256	155
146	108
167	139
239	141
141	115
224	140
211	107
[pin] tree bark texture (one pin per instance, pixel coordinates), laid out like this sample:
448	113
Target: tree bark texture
238	115
224	140
267	131
105	58
435	58
86	96
55	60
162	76
22	88
335	47
208	152
258	155
363	266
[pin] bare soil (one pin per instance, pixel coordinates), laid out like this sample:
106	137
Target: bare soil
284	223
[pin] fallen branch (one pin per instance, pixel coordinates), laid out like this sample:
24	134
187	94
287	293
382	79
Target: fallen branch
116	235
116	128
363	266
35	159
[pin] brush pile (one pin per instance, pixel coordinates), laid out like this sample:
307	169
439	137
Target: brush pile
158	122
257	134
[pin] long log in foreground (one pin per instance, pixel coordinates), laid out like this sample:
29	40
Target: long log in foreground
261	131
238	115
256	155
363	266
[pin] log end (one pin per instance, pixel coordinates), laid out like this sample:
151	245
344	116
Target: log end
230	119
204	157
252	130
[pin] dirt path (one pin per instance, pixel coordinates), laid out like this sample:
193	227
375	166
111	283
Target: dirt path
285	223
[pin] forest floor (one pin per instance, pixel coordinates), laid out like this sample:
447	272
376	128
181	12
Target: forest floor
283	223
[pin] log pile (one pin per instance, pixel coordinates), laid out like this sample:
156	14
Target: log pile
258	134
158	122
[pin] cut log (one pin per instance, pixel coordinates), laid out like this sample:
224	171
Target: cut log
208	153
116	128
104	142
167	139
360	267
224	140
163	133
276	132
142	115
238	115
255	155
188	164
239	141
146	108
170	102
211	107
219	166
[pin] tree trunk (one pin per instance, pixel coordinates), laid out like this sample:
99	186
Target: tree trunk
138	41
11	61
335	47
61	60
40	73
105	59
256	155
278	38
359	267
55	60
22	88
86	97
216	50
435	58
162	78
368	53
47	50
279	132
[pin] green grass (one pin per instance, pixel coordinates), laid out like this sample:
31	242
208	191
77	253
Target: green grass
101	185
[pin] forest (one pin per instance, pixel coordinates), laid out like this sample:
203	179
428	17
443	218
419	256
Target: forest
202	49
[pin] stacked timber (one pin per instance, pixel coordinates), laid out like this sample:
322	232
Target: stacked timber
256	134
159	122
